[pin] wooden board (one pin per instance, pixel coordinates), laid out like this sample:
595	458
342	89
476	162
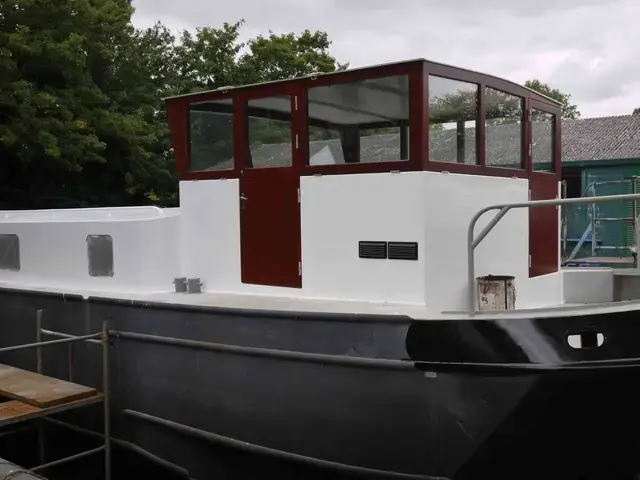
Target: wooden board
14	411
38	390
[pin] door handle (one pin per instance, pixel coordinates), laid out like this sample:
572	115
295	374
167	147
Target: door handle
243	199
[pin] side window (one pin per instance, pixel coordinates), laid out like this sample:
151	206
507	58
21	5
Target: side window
9	252
542	140
100	255
504	115
359	122
211	135
453	118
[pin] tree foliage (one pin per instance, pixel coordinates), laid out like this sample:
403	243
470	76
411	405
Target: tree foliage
82	120
569	110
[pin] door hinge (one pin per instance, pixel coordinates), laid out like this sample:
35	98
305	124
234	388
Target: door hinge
298	195
530	149
295	102
529	195
529	115
297	142
529	261
299	269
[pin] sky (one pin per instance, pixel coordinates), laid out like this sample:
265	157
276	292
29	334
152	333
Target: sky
588	48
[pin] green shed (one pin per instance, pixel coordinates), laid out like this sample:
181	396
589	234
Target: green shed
600	156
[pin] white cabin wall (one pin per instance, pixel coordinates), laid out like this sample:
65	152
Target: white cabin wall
210	233
53	250
451	202
338	211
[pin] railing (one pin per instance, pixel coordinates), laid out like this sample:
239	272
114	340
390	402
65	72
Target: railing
473	241
100	338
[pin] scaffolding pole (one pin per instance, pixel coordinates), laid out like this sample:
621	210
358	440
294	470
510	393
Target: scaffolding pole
103	337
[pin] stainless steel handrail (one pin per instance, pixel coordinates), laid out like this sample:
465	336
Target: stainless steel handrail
473	242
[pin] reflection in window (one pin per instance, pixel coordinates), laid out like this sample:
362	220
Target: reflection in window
542	135
269	128
100	254
453	117
9	252
503	129
211	136
359	122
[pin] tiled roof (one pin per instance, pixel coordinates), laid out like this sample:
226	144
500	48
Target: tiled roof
582	140
601	138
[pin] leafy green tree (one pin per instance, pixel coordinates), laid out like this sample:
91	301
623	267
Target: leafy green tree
636	111
569	110
82	120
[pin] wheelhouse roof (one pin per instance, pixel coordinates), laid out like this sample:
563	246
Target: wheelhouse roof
464	73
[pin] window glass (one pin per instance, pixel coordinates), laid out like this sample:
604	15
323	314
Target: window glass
453	117
503	129
100	253
359	122
542	136
269	130
211	135
9	252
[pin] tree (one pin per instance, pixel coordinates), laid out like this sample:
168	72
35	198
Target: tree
636	111
569	110
82	120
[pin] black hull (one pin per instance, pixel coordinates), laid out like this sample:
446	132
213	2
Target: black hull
338	396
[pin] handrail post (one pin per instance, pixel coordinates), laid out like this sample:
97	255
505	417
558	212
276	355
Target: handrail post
40	423
106	387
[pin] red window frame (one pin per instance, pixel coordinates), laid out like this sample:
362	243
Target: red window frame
418	72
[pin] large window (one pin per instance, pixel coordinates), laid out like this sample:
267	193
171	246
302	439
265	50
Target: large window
211	136
503	129
453	118
269	131
359	122
542	140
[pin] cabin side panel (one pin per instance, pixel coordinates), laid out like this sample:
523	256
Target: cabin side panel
339	212
451	201
95	251
210	232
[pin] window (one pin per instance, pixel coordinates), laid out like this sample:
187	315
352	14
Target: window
359	122
453	117
9	252
503	129
542	140
211	136
100	254
269	131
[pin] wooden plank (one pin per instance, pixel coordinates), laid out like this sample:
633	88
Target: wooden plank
15	412
39	390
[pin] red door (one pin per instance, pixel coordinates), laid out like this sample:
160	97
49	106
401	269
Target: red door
270	236
544	161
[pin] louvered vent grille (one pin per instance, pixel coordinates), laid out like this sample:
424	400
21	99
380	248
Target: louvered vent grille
403	251
372	250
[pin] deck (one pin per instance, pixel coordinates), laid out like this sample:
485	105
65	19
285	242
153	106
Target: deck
29	395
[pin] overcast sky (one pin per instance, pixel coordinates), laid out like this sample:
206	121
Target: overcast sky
589	48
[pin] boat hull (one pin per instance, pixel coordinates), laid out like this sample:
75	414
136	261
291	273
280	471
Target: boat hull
332	395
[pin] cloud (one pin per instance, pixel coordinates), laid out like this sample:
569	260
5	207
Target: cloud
588	48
